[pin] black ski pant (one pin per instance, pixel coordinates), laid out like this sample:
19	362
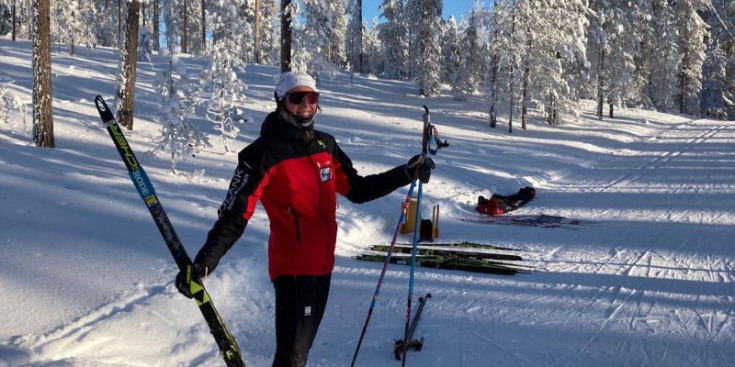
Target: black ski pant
509	203
300	303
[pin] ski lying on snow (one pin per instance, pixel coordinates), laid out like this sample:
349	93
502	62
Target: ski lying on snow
439	262
433	250
536	220
464	244
228	347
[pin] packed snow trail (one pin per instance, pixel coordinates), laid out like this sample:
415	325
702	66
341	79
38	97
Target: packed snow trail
687	172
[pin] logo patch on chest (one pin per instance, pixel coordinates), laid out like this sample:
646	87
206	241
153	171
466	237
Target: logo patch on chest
326	174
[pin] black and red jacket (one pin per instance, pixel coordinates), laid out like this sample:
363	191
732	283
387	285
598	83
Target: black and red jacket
296	174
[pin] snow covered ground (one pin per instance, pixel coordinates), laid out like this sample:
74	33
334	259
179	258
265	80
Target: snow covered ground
87	281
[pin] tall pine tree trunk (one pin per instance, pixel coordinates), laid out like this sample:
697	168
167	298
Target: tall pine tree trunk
156	32
184	28
551	110
285	35
682	87
360	61
14	20
118	41
204	27
493	114
43	119
526	79
128	62
257	32
611	107
512	62
600	86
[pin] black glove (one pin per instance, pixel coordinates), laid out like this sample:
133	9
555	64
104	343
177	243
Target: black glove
194	272
420	168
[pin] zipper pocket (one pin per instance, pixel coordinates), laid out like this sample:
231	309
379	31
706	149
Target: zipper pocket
296	223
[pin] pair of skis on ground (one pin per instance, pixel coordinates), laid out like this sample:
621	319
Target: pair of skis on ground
464	256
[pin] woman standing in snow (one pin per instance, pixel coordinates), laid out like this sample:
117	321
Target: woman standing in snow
296	172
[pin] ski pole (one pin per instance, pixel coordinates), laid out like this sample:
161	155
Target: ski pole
417	225
382	272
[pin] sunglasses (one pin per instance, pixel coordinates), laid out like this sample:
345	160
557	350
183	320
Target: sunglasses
298	97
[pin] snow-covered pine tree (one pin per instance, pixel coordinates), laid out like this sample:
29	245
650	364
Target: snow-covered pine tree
246	12
6	17
498	28
692	33
270	32
179	137
71	23
665	58
23	19
610	48
720	16
412	18
570	50
640	29
61	17
337	19
373	49
473	57
451	50
145	44
221	91
427	31
355	43
550	49
10	101
714	92
392	35
317	41
302	49
105	23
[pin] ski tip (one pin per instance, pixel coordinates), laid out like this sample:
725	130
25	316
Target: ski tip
100	102
103	110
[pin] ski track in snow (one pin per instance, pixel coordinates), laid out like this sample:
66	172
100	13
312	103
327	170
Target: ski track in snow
635	299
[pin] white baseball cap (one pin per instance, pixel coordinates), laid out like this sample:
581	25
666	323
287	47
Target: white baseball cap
293	79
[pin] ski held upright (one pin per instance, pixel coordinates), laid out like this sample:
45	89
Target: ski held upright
226	343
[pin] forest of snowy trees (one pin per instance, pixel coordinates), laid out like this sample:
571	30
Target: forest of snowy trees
517	55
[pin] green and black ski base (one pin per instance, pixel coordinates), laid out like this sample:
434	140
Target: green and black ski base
450	253
439	262
464	244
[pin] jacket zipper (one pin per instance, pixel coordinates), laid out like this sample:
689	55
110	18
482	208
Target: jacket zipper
319	184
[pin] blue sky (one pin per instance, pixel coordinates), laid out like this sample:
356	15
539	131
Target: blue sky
457	8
